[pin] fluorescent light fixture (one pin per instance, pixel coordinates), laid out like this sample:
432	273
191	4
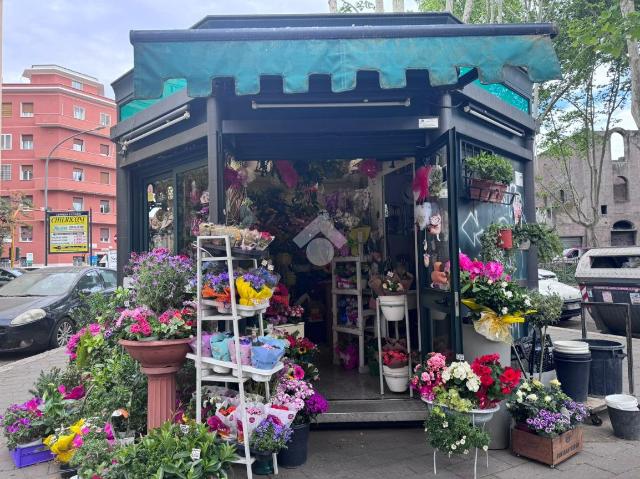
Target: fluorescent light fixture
351	104
488	119
156	125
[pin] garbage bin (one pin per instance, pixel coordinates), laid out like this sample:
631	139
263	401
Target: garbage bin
612	275
605	376
572	371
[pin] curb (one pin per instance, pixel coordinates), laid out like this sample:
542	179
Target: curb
29	360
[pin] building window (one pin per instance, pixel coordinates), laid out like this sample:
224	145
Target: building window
78	145
26	110
5	141
5	172
616	146
620	189
78	112
76	84
27	201
7	110
104	235
603	209
78	174
105	119
78	203
26	142
26	172
105	207
104	177
26	234
104	150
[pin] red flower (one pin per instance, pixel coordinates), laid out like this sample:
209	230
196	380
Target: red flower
486	380
510	377
489	358
189	323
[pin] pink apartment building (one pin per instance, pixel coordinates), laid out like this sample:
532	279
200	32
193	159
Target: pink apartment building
58	103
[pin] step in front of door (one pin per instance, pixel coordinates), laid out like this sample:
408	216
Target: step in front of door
374	410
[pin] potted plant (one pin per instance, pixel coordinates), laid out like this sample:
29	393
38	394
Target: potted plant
254	293
95	451
160	345
546	422
176	450
269	438
489	177
542	236
217	290
395	367
391	294
428	375
23	429
548	309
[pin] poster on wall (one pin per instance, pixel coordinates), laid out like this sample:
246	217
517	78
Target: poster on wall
68	232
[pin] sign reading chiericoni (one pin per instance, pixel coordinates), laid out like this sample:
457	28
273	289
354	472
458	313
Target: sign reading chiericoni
68	232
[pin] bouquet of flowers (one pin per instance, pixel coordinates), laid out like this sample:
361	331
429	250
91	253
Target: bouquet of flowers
301	349
266	352
21	423
252	290
428	375
216	286
496	300
545	411
270	435
496	382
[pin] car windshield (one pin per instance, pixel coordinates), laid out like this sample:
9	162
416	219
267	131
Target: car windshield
39	283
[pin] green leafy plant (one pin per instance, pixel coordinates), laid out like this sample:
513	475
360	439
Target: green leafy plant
487	166
489	249
70	377
543	237
548	308
100	308
175	451
94	456
454	433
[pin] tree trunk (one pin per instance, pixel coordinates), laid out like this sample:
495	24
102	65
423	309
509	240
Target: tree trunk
448	7
466	14
627	7
398	5
333	6
499	11
379	6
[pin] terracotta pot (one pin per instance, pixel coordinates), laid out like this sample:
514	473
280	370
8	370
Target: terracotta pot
160	361
505	238
486	190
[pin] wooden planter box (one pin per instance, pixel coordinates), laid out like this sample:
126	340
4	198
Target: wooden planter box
548	450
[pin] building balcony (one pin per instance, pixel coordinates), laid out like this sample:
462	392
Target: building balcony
70	185
84	157
55	120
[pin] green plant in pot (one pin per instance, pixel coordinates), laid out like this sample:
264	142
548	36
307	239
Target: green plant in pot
489	176
548	308
270	437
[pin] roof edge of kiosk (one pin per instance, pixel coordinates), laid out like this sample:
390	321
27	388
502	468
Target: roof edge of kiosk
296	47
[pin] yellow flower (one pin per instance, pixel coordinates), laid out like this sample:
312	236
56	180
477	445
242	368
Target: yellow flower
65	456
48	440
555	382
77	427
537	383
62	444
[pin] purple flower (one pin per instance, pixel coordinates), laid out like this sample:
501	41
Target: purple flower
316	404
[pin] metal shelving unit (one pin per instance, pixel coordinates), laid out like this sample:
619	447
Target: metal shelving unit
239	373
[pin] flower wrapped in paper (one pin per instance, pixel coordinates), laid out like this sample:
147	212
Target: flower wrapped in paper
245	350
266	352
493	326
252	290
220	346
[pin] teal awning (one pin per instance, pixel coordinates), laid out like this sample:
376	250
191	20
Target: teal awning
194	56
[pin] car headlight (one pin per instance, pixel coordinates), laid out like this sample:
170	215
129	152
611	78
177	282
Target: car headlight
28	317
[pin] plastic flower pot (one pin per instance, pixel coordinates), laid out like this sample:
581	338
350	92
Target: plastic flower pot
160	361
264	463
392	307
397	379
31	453
486	190
295	454
505	238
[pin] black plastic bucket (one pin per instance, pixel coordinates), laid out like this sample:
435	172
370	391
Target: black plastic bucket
573	373
295	454
626	424
606	367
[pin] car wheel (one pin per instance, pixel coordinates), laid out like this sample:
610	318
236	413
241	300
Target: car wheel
62	332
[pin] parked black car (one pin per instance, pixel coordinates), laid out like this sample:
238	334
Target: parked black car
35	308
8	274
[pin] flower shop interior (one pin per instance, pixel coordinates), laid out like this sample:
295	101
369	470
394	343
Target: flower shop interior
351	168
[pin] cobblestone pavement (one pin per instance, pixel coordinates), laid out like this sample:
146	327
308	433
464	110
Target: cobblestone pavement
378	453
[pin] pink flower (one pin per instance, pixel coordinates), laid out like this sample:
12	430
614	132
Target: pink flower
493	270
76	393
298	372
166	316
77	441
94	329
476	269
108	431
465	262
62	390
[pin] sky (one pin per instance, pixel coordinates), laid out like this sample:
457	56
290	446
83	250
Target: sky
92	36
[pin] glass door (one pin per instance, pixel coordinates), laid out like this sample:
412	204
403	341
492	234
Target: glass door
437	219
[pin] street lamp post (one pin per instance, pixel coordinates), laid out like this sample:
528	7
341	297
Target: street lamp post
46	181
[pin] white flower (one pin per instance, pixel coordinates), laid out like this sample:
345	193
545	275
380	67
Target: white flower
473	385
508	294
525	385
519	393
547	398
504	284
453	447
485	448
532	397
445	424
462	441
446	375
519	400
466	451
527	302
504	310
490	281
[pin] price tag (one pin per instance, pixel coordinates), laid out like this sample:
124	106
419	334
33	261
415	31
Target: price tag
195	454
459	357
184	428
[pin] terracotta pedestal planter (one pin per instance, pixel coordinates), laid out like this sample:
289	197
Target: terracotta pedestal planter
160	361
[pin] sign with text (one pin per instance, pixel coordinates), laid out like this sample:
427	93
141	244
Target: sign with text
68	232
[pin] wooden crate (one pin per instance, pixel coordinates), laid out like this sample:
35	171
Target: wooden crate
548	450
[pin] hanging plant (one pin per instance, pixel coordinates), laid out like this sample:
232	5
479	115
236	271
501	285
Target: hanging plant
493	246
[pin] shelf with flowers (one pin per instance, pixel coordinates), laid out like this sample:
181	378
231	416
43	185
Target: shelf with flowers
546	422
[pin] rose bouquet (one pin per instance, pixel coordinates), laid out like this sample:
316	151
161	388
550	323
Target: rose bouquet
494	299
496	382
545	411
428	375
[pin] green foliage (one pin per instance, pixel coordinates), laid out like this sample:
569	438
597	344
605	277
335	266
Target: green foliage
451	398
454	433
99	308
548	309
93	459
117	382
167	453
70	377
489	249
542	236
90	349
487	166
357	6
